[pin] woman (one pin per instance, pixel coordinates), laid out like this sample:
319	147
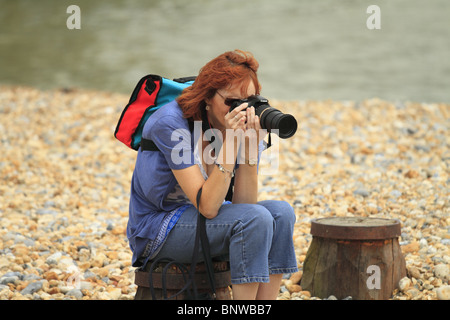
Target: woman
256	237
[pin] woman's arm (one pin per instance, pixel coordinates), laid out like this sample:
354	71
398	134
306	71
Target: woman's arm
246	184
215	187
246	179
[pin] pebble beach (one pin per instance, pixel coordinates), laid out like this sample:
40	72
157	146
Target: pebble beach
65	180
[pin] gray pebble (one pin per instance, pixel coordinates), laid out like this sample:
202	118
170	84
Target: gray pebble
361	192
76	293
395	193
32	288
31	276
43	211
11	279
54	258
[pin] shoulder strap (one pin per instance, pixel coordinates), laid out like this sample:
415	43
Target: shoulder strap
202	237
148	145
185	79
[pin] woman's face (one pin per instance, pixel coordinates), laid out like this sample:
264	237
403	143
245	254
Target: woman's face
218	109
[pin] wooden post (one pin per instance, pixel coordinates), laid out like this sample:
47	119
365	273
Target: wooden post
353	256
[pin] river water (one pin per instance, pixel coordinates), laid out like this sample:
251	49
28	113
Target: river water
307	49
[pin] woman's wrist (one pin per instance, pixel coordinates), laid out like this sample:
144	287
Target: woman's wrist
224	169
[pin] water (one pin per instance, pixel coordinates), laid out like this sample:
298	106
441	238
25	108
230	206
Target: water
306	49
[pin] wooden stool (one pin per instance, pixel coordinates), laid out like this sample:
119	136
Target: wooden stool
351	256
175	281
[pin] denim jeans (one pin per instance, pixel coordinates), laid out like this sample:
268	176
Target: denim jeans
255	238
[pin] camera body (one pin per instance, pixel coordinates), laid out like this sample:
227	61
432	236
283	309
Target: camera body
270	118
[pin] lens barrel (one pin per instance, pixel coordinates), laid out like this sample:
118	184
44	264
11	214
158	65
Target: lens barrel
270	118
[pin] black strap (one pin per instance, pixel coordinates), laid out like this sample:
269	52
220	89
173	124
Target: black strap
185	79
184	271
148	145
200	238
201	230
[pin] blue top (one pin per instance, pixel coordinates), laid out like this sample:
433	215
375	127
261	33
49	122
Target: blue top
155	193
156	199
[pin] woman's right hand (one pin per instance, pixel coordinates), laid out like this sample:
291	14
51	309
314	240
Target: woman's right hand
236	118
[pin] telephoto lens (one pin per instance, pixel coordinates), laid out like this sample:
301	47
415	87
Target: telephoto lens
270	118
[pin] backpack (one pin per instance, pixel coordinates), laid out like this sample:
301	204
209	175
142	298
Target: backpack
151	93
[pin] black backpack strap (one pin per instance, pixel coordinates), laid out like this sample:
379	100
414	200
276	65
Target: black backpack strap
148	145
185	79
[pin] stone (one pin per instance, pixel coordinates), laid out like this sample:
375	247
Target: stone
115	293
441	271
413	293
7	280
443	293
404	284
32	288
411	247
362	192
294	288
296	277
414	272
75	293
284	296
305	293
54	258
51	275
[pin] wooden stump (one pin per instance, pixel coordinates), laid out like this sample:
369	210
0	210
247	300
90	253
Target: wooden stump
175	281
351	256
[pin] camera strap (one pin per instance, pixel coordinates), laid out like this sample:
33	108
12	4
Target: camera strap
202	237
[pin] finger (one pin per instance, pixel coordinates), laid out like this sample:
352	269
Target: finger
238	116
251	112
239	123
257	123
238	109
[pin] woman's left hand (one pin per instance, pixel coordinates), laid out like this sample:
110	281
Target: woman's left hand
253	126
253	135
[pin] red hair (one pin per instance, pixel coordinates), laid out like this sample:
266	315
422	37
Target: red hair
222	72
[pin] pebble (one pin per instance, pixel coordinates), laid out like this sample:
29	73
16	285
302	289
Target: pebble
441	271
75	293
404	284
64	198
443	293
32	288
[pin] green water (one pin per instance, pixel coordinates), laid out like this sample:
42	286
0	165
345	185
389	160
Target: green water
306	49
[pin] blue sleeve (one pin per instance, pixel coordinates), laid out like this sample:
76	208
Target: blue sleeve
172	137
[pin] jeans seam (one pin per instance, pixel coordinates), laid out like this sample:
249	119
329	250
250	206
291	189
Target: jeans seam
283	270
246	279
244	273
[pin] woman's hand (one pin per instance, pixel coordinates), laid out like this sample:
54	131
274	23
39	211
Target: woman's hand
253	125
236	118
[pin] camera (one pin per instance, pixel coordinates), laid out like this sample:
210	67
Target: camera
270	118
